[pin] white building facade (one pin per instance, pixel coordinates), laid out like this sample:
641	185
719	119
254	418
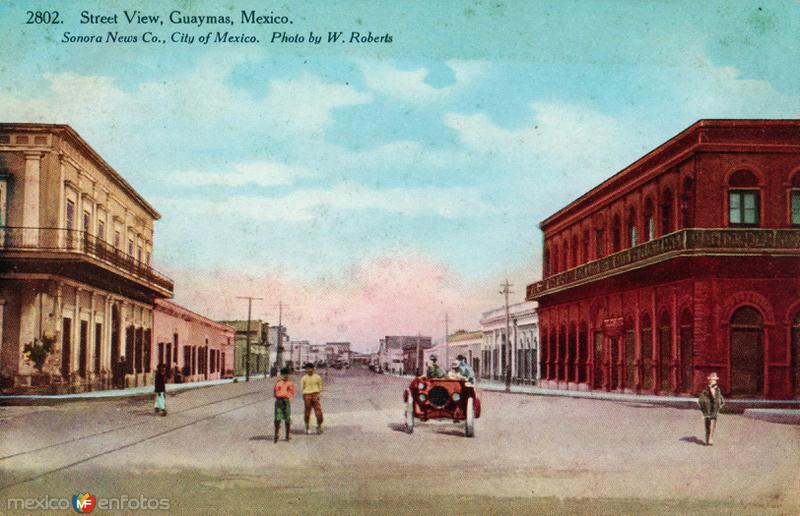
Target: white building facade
518	351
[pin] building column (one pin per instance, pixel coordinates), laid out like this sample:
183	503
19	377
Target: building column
76	332
637	347
653	341
673	356
91	338
30	197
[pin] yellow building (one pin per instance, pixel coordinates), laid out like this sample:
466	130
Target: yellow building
76	241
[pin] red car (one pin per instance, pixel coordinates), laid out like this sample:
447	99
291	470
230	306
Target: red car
441	398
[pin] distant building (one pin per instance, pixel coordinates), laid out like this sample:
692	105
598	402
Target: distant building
340	351
519	350
414	353
467	343
259	353
391	354
191	347
280	355
76	242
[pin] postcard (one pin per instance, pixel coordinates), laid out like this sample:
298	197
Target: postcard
400	257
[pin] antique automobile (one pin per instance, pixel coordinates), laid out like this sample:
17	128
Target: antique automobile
441	398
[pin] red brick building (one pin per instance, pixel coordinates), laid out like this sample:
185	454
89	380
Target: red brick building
684	263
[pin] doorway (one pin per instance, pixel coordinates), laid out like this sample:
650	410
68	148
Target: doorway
747	352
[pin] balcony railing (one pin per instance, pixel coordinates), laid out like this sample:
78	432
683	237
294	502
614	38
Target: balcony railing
686	241
73	241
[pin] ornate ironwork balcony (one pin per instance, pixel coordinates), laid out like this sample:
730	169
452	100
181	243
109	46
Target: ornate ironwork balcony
683	242
72	244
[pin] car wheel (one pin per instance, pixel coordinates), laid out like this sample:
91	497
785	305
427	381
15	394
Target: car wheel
410	414
469	422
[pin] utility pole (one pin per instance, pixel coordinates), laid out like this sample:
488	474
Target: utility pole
280	331
506	291
416	358
446	342
249	310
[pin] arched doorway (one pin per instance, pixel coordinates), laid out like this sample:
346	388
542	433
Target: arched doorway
583	355
573	352
664	352
686	357
597	360
630	353
747	352
796	354
647	351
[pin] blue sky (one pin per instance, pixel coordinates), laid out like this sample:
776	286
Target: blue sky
320	173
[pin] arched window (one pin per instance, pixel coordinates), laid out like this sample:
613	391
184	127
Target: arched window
747	352
585	245
632	241
687	203
744	199
649	220
794	200
599	243
555	257
615	234
546	260
667	215
574	250
565	255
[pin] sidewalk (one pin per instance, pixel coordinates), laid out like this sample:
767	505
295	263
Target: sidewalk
144	390
751	406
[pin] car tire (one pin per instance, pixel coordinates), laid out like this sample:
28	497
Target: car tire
410	414
469	421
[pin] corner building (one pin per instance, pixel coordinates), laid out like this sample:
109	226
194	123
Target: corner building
76	242
684	263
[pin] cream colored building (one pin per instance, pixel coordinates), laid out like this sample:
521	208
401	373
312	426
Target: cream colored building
77	242
519	351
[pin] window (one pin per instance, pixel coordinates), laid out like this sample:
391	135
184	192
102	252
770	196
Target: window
86	219
743	207
130	247
615	234
139	253
649	221
794	200
667	215
632	228
585	246
743	199
3	195
101	230
70	214
600	243
117	239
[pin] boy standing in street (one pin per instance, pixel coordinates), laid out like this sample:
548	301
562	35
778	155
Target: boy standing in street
311	384
160	390
284	392
711	402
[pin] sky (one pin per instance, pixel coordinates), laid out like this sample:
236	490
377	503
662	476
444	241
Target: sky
374	187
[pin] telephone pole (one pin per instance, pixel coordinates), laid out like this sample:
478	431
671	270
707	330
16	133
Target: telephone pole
506	291
249	311
446	342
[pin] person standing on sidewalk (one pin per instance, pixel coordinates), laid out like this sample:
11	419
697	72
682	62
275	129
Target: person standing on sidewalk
161	391
311	384
284	392
711	402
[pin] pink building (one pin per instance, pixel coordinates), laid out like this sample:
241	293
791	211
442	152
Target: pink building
192	347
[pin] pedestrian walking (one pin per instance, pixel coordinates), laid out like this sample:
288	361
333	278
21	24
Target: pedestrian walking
711	402
311	384
284	392
161	391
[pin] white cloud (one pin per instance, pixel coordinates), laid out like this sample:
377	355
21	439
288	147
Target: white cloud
301	205
261	173
410	85
304	105
560	136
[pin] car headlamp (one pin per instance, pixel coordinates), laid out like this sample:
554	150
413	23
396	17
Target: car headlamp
456	396
422	397
421	386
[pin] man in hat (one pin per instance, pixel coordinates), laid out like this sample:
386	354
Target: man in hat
455	371
284	392
434	371
311	384
466	369
711	402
